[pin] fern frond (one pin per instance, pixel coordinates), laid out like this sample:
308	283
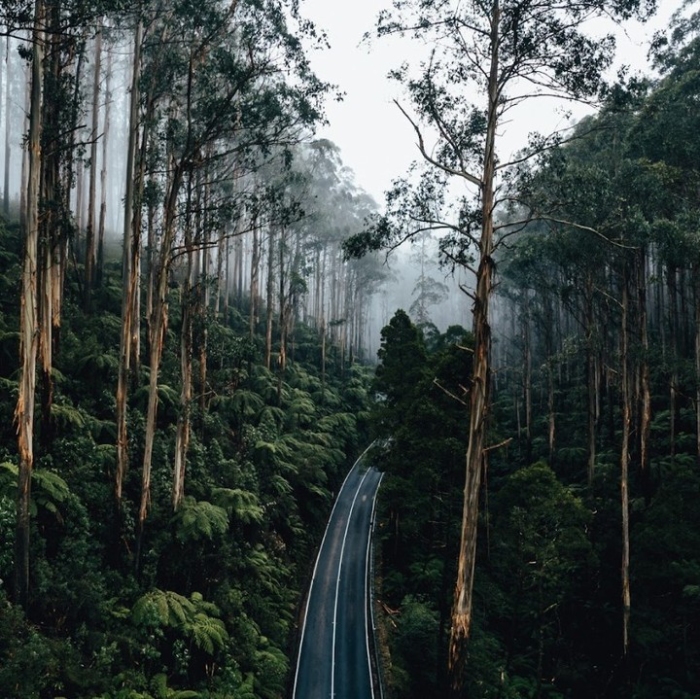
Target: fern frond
162	608
208	633
200	520
241	504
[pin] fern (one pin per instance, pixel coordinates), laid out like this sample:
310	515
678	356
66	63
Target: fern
162	608
208	633
194	617
241	504
159	684
200	520
49	488
247	403
67	416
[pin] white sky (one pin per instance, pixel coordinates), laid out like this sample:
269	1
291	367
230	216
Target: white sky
375	140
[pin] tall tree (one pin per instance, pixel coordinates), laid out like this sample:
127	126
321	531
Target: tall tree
24	412
508	51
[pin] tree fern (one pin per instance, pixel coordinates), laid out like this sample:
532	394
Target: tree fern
49	489
67	416
162	608
199	520
241	504
159	684
208	633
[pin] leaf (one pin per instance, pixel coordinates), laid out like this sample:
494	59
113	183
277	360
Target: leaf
208	633
200	520
241	504
161	608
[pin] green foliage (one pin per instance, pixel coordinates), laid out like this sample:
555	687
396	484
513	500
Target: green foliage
193	617
199	520
242	505
48	492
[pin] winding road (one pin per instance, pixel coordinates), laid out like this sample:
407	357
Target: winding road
334	653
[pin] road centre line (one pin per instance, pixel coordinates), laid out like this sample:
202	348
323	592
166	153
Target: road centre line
313	576
337	581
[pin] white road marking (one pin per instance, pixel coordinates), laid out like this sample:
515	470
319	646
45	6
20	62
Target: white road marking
313	576
337	581
368	601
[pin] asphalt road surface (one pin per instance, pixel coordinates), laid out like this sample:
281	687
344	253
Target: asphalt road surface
334	656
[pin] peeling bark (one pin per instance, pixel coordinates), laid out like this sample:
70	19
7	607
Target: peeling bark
29	331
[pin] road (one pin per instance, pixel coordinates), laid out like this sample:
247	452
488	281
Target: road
334	655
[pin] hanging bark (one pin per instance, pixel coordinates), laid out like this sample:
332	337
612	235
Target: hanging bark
157	328
28	335
182	433
52	218
481	381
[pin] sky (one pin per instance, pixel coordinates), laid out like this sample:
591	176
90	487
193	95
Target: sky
375	139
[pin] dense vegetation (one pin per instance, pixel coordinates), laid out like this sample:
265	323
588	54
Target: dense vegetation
587	570
180	392
212	607
197	390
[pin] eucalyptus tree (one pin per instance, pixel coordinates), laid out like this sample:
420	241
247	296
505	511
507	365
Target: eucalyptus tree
503	52
227	97
55	30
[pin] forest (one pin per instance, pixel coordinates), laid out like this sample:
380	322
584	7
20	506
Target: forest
188	274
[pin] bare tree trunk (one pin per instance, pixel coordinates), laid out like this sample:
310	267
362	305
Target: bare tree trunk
90	256
103	172
270	295
158	326
673	344
480	384
527	377
8	122
696	299
182	434
254	272
645	391
24	184
129	278
28	334
624	462
590	376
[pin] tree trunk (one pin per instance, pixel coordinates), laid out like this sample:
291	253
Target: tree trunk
624	463
696	298
28	334
182	434
129	278
8	122
270	295
643	375
527	377
103	173
158	327
480	383
591	382
254	271
90	255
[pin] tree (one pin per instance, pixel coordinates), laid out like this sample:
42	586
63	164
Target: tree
508	51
